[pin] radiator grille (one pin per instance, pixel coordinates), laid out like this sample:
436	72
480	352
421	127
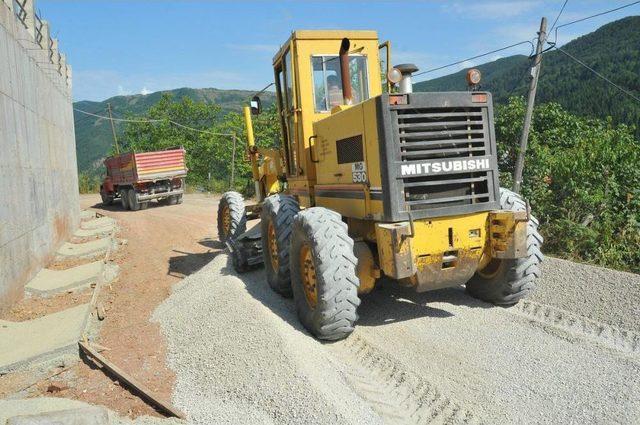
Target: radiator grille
443	133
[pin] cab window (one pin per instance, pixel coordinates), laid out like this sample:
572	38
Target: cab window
327	81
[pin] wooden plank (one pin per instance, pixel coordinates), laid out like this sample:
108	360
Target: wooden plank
123	377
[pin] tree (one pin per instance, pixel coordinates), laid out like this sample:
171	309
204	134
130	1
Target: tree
582	178
207	141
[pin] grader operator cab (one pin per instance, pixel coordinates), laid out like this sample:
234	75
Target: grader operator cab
374	180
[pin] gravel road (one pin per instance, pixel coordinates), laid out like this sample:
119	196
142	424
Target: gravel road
567	355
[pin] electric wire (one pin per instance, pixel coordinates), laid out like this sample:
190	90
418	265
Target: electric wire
590	17
558	16
623	90
151	121
479	56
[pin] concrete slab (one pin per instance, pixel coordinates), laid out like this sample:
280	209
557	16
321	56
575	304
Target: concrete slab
87	215
98	222
92	415
39	339
99	231
49	282
10	408
87	249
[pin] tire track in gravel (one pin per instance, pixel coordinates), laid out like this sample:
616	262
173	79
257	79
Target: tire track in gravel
397	395
573	324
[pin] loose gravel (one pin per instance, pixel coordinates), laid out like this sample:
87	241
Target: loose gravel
569	356
605	295
240	355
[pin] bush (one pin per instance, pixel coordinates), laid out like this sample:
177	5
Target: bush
88	183
582	178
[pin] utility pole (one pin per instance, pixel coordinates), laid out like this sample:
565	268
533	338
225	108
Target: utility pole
113	129
524	138
233	161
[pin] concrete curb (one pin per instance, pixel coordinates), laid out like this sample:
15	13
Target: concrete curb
50	282
37	341
87	249
41	339
97	223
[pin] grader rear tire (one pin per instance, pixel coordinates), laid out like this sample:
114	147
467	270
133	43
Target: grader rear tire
323	274
276	218
232	216
508	281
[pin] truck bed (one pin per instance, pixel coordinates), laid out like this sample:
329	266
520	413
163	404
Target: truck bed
131	167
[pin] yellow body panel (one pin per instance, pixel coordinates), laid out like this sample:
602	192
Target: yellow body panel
304	45
356	121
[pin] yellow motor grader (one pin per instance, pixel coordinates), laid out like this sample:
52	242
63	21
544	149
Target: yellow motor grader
373	180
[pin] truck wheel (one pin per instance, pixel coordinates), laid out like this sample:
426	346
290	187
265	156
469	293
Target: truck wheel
232	216
508	281
276	218
171	200
106	198
179	199
323	274
134	204
124	198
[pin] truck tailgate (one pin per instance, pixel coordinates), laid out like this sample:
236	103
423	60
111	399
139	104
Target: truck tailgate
161	164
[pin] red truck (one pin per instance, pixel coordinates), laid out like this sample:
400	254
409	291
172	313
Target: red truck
138	178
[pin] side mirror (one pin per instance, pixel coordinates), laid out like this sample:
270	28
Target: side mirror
256	105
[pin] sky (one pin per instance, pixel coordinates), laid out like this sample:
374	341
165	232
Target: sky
129	47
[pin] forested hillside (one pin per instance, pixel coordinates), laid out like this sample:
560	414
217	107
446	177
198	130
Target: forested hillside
613	51
94	137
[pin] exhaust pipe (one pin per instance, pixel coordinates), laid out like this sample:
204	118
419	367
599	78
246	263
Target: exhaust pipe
406	83
344	71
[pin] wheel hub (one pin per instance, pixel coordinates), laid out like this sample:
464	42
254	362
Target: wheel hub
308	271
226	221
491	270
273	247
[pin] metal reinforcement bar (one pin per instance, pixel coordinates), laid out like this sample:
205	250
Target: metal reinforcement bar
163	406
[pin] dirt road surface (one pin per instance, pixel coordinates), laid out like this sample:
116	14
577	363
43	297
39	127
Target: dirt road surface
162	245
226	349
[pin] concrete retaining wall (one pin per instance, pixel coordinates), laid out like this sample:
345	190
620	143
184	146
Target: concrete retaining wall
39	205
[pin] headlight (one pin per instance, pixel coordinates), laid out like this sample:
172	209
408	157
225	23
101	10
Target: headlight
394	75
473	77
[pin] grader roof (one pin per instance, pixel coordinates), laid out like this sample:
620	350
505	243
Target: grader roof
326	35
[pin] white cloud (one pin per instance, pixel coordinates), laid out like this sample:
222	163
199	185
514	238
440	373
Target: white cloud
467	64
491	9
145	91
122	91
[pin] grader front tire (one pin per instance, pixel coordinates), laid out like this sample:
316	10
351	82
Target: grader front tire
232	216
508	281
276	219
323	274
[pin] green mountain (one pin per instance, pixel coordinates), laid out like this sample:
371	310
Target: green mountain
613	50
94	136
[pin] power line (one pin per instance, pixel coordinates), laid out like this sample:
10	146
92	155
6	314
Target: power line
623	90
149	120
478	56
592	16
558	17
144	121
